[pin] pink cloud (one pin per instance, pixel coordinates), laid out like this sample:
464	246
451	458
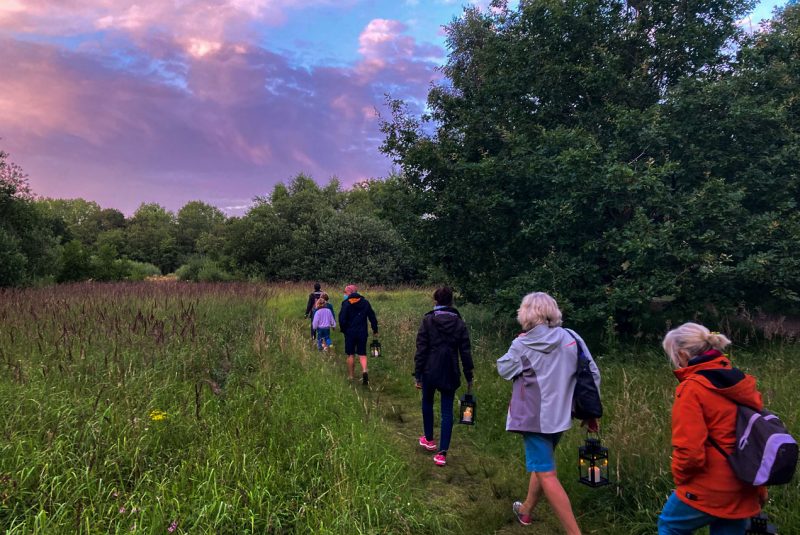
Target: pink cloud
222	124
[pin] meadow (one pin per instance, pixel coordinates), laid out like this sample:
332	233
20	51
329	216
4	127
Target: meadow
203	408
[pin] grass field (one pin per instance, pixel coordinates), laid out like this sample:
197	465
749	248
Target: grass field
199	408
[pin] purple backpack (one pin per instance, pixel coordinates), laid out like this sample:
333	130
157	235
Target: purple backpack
765	452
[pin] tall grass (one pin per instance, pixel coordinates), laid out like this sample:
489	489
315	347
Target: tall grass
144	407
204	408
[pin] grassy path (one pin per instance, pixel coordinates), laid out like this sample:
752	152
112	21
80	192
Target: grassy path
476	488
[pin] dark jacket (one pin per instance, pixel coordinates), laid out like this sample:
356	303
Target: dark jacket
354	314
441	338
705	406
312	299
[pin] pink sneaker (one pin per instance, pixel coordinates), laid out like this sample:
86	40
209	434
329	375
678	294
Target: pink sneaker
525	520
440	459
429	445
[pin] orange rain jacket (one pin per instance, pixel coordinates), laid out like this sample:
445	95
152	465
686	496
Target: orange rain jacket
705	406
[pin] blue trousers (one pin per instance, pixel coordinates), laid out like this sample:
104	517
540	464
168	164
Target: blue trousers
323	335
447	397
677	518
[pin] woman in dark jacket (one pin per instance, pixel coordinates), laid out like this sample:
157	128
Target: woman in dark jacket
442	337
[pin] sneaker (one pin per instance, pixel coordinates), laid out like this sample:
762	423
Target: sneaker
525	520
429	445
365	378
440	459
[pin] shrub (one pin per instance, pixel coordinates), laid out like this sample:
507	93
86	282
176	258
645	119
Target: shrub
137	271
202	269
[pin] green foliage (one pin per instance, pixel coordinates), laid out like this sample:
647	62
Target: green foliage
197	223
613	154
75	263
28	248
355	247
202	269
151	237
12	261
138	271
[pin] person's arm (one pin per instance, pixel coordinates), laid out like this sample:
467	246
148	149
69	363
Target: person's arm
510	364
373	320
421	355
343	316
464	349
689	435
310	304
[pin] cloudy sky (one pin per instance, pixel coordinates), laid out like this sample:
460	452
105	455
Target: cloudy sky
167	101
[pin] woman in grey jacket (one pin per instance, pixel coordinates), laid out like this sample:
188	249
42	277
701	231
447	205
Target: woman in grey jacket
542	362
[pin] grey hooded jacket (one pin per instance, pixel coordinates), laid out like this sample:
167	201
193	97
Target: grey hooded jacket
542	363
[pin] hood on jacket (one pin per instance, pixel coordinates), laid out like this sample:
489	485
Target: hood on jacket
543	339
446	319
714	371
354	298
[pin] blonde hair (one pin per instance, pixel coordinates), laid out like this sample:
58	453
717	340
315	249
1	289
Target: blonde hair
694	339
538	308
320	303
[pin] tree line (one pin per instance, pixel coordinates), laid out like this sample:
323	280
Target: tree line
301	231
636	160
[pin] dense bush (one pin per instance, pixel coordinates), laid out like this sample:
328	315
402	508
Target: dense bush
202	269
138	271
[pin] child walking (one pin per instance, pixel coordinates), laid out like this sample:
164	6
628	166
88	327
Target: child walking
323	321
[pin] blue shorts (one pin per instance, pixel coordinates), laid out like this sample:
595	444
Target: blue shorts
355	345
539	451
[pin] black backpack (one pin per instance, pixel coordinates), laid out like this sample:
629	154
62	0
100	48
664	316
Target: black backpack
586	402
765	452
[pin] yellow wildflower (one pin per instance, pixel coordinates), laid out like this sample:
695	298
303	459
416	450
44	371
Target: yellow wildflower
157	415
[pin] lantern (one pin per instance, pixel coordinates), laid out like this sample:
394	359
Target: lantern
593	463
760	524
375	348
468	407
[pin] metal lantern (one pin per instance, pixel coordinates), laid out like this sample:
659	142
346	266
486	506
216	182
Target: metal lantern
468	407
375	348
760	524
593	463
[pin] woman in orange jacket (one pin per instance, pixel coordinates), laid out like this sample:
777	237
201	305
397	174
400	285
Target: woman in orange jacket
707	492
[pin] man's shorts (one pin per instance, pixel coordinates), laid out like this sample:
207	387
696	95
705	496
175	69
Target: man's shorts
539	451
355	345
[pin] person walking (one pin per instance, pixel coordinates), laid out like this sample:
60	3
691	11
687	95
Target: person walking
322	322
312	300
441	339
542	363
353	317
707	492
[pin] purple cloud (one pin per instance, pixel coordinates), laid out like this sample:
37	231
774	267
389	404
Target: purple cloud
148	110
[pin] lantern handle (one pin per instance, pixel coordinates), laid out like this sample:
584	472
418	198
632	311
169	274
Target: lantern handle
598	433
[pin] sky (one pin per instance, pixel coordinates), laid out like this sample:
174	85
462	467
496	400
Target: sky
169	101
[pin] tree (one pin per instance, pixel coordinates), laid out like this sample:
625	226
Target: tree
554	157
196	221
28	249
151	237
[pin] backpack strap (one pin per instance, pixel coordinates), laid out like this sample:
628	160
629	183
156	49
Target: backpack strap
581	354
710	440
717	447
